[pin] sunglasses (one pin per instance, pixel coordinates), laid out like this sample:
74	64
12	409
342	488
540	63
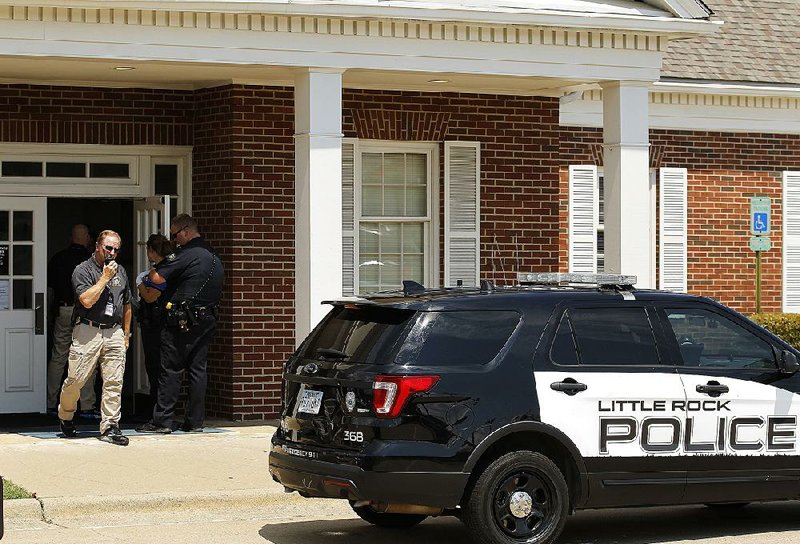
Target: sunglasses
175	234
111	249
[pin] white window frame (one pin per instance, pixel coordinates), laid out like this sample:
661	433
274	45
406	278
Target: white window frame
431	221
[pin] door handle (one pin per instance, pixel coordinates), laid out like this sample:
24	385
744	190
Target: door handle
712	388
38	319
568	386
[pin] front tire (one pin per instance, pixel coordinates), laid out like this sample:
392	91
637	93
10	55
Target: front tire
387	521
521	497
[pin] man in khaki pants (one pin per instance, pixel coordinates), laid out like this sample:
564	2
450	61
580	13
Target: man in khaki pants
59	279
100	337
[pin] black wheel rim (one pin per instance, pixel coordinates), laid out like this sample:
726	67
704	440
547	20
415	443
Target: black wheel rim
523	505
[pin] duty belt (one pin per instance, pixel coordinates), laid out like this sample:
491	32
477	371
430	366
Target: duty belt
95	324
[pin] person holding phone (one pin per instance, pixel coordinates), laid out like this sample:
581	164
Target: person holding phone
102	320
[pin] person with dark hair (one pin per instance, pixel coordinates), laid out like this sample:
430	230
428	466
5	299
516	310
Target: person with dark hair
194	278
150	313
100	337
59	279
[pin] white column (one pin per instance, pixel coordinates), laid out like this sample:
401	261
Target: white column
318	195
626	172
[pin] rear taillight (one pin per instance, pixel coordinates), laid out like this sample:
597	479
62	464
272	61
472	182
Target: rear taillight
389	393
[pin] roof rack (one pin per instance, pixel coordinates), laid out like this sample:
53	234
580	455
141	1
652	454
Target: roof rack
559	278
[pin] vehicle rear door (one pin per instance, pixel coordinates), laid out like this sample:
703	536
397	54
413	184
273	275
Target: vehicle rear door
741	434
328	396
604	382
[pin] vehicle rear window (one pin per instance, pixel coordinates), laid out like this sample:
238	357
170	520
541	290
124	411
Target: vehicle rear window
358	334
457	337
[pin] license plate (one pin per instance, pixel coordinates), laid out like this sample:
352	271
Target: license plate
310	401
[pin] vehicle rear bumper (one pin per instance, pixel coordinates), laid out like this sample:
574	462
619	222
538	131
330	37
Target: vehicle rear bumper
315	478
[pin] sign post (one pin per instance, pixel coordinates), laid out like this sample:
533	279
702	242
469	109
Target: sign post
760	211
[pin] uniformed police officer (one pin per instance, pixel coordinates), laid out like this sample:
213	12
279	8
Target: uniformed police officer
100	337
59	279
194	277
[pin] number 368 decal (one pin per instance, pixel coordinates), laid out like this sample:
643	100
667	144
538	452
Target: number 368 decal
353	436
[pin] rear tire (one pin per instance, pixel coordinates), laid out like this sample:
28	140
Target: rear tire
522	497
387	521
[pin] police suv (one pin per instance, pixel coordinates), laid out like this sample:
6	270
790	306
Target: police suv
513	407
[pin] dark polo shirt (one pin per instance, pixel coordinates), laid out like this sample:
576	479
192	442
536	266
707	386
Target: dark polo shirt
59	272
194	273
117	291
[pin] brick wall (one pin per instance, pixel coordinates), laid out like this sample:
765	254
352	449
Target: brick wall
519	164
725	170
83	115
262	247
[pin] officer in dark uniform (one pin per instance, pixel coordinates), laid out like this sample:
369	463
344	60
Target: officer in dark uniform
59	279
194	277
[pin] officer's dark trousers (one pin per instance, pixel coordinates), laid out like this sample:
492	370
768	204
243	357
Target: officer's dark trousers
151	344
182	351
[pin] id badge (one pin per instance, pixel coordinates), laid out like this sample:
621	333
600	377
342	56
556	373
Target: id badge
109	308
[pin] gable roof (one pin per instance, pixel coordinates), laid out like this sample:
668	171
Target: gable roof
757	43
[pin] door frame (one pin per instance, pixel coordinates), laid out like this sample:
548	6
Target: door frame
140	184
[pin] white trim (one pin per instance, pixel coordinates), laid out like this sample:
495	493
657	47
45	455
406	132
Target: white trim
588	238
725	88
679	228
430	222
476	234
223	14
139	186
790	238
702	111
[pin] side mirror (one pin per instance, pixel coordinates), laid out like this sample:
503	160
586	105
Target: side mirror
788	363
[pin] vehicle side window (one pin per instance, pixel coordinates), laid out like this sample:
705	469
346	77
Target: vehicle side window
707	339
614	336
457	337
563	350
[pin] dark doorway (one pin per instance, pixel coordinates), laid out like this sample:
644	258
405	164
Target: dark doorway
98	214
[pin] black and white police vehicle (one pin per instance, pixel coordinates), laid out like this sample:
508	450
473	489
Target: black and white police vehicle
513	407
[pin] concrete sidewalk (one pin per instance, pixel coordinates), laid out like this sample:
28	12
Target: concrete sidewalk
156	475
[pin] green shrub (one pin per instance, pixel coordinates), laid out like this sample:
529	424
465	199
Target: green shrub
787	326
13	491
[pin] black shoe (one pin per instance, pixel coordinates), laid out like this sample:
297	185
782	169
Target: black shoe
188	428
113	435
68	429
151	427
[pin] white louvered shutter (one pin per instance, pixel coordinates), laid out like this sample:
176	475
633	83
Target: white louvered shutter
583	218
673	218
348	218
791	241
461	213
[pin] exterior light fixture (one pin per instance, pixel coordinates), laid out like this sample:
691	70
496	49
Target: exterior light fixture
124	68
438	81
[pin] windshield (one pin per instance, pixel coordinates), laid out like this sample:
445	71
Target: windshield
358	334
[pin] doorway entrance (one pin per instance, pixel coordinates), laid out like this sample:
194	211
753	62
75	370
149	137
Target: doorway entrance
98	214
44	190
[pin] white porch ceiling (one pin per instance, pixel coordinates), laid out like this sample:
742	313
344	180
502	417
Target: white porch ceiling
87	72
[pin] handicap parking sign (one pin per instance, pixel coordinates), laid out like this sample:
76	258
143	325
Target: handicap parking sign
759	215
760	222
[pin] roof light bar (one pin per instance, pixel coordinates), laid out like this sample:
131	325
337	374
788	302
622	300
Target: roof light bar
558	277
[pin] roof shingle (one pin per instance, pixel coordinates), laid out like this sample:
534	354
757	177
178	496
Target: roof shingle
759	42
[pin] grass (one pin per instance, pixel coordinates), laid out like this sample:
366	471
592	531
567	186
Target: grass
13	491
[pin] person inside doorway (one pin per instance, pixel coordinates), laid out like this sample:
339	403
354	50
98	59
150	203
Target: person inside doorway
59	281
150	313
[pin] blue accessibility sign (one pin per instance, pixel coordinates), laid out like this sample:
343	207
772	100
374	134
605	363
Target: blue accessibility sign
760	222
760	208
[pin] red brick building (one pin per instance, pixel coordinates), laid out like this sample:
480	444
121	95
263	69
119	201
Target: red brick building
343	148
